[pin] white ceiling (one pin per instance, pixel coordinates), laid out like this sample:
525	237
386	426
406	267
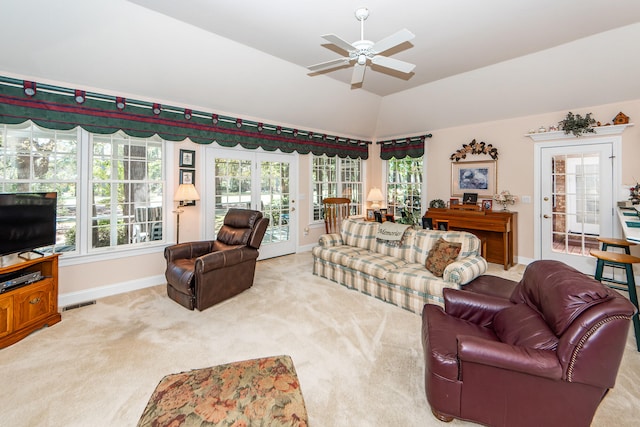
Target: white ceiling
452	36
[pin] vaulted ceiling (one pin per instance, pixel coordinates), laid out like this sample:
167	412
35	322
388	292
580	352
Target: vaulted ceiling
451	36
475	60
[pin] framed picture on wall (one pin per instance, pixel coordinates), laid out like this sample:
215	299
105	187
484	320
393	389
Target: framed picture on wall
187	176
187	158
477	177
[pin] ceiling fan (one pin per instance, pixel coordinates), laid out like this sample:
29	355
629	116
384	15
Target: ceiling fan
364	51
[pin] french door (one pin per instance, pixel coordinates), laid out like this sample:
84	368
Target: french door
254	180
576	201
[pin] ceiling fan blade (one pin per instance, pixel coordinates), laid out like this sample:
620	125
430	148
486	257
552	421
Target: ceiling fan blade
342	44
394	64
393	40
328	64
358	74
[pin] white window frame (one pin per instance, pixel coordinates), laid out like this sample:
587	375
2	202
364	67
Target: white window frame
83	208
356	206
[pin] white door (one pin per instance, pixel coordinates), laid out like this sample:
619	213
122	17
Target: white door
576	201
254	180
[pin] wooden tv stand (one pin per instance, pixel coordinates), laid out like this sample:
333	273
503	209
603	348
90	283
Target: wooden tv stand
32	306
497	229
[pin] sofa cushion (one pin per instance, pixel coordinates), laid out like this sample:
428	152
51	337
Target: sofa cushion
425	239
523	326
359	233
442	254
338	254
417	279
375	264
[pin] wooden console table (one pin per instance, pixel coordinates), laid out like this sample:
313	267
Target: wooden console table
28	307
497	228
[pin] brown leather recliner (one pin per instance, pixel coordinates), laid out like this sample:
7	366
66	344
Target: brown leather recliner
546	356
201	274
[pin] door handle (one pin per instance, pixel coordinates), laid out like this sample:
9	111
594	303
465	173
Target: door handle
546	216
292	210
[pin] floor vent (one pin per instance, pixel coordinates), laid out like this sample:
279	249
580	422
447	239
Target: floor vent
80	304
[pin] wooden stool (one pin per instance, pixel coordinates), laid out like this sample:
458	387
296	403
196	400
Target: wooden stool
624	261
615	243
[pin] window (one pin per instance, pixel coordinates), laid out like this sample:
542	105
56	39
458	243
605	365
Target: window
404	188
122	198
36	160
336	177
126	190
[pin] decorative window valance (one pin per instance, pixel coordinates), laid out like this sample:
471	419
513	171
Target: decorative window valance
403	147
60	108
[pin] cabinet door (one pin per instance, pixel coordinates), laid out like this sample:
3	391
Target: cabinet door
33	303
6	315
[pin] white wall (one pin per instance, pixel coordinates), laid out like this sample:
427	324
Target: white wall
592	71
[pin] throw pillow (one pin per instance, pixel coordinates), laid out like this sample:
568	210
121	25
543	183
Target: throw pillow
441	255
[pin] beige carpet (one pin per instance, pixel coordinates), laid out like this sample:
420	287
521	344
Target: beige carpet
359	360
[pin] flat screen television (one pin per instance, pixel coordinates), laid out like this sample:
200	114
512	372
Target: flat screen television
27	221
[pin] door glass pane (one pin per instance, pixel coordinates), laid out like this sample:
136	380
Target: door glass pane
274	198
233	187
576	202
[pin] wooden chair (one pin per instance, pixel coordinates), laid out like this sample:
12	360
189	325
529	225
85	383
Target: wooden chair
335	210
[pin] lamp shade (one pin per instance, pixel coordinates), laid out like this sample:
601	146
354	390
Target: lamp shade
186	192
375	196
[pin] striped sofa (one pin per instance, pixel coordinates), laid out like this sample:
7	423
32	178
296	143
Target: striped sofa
395	274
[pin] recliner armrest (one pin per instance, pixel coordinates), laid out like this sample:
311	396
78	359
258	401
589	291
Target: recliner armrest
541	363
187	250
221	259
473	307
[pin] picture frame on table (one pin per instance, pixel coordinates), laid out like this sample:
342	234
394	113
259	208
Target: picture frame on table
454	201
470	198
187	158
383	211
487	204
371	215
478	177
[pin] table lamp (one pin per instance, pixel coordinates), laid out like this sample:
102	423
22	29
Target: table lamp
375	197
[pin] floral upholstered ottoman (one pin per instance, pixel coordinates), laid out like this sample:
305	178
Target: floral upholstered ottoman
262	391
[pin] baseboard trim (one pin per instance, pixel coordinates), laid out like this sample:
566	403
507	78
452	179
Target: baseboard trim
306	248
105	291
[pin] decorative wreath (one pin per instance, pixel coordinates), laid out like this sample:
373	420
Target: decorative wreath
475	148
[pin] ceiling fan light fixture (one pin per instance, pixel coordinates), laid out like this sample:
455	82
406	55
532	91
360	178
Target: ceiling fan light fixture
365	51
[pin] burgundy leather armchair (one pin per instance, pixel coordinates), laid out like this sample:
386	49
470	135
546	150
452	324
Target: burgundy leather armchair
201	274
546	356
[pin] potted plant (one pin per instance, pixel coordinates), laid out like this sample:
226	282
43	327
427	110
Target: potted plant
576	124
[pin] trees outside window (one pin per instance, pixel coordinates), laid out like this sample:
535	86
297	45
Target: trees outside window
404	189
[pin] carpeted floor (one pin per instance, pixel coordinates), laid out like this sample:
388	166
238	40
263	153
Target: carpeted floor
359	360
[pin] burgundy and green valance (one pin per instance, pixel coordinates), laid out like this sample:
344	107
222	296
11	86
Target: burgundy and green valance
403	147
54	107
